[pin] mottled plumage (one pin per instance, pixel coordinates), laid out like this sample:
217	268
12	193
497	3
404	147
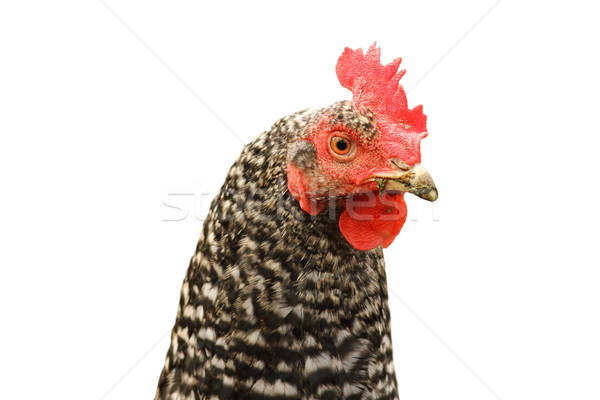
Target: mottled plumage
276	303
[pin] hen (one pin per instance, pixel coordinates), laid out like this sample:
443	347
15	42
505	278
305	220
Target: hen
286	295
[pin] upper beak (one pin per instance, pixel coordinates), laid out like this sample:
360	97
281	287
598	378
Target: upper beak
415	180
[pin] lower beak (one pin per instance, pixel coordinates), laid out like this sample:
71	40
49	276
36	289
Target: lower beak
415	180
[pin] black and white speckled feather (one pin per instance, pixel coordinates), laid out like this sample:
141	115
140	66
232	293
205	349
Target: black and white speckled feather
276	304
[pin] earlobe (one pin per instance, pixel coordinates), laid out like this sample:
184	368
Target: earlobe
297	189
303	154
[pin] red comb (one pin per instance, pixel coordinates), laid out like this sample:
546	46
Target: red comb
376	87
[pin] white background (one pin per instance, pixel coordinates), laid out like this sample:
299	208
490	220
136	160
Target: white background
104	113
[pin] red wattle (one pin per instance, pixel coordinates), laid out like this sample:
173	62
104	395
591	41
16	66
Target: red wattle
370	220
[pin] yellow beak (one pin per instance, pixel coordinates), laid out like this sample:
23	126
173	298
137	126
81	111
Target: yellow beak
415	180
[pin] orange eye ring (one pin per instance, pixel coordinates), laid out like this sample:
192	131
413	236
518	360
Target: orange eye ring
340	146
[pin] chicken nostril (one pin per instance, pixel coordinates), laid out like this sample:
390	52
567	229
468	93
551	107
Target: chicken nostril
398	163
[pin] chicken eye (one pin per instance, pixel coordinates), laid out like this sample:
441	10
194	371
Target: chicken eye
340	145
